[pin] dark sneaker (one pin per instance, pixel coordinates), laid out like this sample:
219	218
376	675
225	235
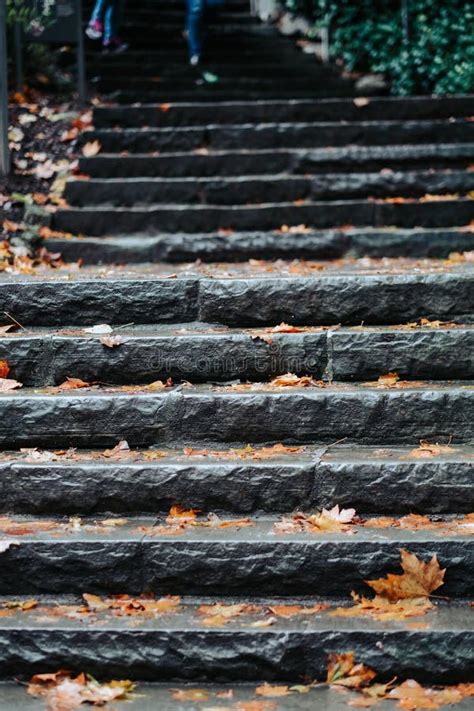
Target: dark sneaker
95	30
115	46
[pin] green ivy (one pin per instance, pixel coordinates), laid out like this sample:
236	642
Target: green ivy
437	56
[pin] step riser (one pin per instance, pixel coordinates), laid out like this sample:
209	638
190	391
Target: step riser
113	221
212	92
243	488
238	83
242	192
278	136
308	301
296	162
180	566
263	245
206	655
313	415
341	355
179	70
378	109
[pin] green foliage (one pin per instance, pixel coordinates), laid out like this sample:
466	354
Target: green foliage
436	56
30	13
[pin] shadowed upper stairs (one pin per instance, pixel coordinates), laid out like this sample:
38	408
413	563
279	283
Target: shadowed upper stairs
215	211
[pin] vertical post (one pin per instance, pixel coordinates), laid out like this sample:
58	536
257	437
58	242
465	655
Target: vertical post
325	35
4	150
81	61
18	56
405	21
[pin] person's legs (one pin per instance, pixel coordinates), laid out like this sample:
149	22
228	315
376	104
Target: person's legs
194	18
112	41
95	27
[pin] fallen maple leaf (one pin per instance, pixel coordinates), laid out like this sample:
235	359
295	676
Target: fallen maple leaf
419	579
288	611
4	368
91	149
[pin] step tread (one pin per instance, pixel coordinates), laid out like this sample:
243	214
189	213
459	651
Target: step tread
452	616
140	530
150	696
214	454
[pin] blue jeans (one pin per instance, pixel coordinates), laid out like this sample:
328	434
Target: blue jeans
194	22
106	11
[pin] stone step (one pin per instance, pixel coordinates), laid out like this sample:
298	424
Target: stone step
344	159
179	70
179	645
225	82
281	135
320	293
72	557
365	413
307	110
211	92
237	246
85	482
96	220
203	352
245	190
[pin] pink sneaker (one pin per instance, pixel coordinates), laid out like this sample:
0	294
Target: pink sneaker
95	30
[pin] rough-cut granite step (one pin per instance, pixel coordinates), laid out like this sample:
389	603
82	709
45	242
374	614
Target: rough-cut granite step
376	109
370	479
120	192
234	295
281	135
250	560
203	352
293	161
192	414
103	219
178	646
302	243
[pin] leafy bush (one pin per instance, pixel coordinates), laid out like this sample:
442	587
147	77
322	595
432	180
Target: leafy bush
432	53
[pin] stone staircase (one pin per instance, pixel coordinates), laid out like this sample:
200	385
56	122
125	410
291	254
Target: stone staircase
336	216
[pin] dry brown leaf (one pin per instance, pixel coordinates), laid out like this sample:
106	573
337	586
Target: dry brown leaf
7	384
288	611
63	692
6	329
73	384
388	380
190	694
124	605
427	449
380	608
295	381
262	705
120	451
419	579
286	328
343	671
91	149
4	368
334	520
266	689
111	341
412	696
218	614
